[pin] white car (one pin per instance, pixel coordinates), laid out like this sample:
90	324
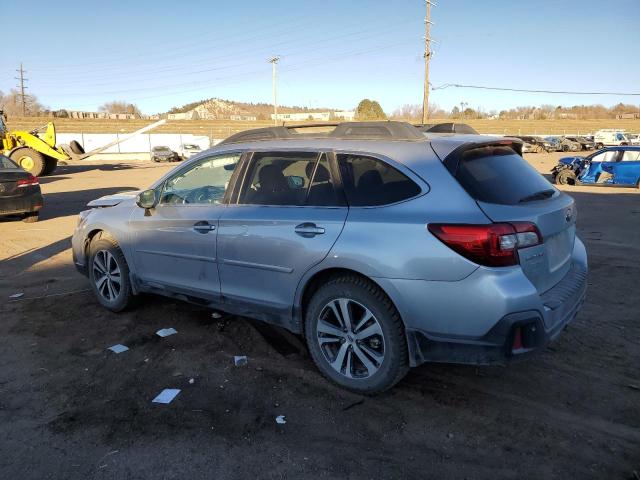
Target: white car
186	150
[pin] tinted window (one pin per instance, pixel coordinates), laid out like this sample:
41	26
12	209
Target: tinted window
322	191
6	163
368	181
499	175
278	178
203	183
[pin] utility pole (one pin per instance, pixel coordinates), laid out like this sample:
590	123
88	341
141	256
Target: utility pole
427	57
23	96
274	86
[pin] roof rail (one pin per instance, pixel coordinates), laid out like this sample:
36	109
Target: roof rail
446	127
387	130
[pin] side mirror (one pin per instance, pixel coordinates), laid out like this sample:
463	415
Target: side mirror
147	199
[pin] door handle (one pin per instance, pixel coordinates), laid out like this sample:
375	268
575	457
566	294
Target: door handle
308	230
203	227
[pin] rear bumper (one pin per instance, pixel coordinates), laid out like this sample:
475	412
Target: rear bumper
475	320
536	329
17	205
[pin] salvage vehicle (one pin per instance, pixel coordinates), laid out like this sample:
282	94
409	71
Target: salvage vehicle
187	150
585	143
164	154
612	166
532	143
610	137
634	138
382	246
20	193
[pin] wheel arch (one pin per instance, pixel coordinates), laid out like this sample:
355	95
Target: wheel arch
312	282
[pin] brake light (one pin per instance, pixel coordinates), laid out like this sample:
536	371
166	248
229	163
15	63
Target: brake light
27	182
493	245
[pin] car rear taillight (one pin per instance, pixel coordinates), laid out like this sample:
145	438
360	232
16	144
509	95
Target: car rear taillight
493	245
27	182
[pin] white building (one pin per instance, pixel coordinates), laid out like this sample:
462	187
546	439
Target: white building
316	116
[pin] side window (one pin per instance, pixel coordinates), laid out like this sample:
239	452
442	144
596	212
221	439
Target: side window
278	178
203	183
631	156
368	181
322	192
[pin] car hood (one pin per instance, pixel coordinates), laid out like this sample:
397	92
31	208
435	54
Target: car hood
570	160
113	200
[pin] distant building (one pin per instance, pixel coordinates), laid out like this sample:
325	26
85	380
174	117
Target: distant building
349	116
628	116
316	116
190	115
113	116
243	118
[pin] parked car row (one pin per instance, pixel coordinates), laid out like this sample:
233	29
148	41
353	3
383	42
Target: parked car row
163	153
535	144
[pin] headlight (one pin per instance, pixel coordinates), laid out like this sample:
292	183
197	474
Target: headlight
82	216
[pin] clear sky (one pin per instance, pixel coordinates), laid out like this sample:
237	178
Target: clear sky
157	54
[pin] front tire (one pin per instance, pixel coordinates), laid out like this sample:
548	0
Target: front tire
566	177
31	217
30	160
109	275
356	336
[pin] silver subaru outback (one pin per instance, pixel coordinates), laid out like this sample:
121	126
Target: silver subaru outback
383	246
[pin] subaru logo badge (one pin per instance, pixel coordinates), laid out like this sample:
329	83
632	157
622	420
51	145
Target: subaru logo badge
569	215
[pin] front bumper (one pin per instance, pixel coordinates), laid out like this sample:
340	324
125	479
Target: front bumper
23	204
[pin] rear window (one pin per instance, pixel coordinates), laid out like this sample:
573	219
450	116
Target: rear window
499	175
6	163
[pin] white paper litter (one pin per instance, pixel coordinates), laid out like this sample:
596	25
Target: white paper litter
216	315
167	395
119	348
165	332
191	381
240	360
16	295
280	420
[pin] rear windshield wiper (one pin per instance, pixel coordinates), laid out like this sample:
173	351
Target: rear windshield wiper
541	195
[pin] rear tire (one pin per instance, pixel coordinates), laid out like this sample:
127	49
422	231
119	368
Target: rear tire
109	275
599	146
31	217
30	160
566	177
365	356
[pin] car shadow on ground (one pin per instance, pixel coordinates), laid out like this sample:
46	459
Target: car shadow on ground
62	204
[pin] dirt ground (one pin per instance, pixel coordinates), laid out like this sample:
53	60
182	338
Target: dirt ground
70	409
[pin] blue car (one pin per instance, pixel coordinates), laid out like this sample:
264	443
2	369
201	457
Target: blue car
611	166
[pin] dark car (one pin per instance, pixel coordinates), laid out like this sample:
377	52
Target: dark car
617	166
19	191
585	143
164	154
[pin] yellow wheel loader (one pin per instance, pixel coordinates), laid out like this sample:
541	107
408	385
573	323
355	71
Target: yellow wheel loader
37	153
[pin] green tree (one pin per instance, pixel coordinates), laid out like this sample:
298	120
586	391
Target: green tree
370	110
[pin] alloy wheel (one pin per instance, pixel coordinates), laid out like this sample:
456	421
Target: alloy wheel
350	338
106	275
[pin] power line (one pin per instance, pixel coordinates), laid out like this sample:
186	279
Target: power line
506	89
22	88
